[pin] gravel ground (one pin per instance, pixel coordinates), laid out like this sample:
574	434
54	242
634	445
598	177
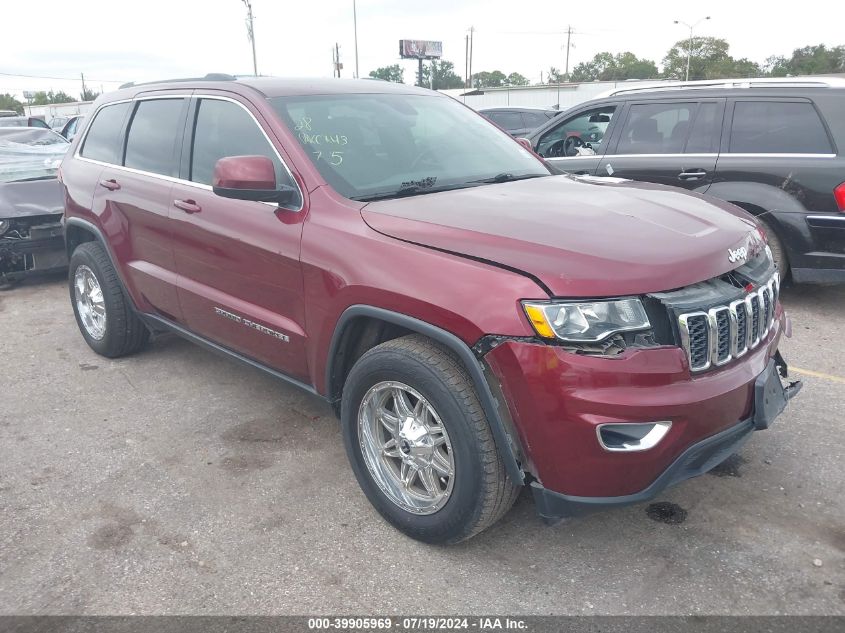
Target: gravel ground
179	482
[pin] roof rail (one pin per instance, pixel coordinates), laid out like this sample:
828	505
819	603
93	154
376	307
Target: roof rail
765	82
208	77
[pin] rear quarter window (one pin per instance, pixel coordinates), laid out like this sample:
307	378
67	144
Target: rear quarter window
103	140
778	127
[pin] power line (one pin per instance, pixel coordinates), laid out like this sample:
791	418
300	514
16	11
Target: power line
107	81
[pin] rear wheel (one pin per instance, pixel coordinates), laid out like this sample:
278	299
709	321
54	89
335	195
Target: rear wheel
778	252
105	318
420	444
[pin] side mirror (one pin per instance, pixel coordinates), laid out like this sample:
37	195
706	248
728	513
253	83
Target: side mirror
525	143
249	178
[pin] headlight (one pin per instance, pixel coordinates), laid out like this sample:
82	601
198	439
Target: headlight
586	322
4	226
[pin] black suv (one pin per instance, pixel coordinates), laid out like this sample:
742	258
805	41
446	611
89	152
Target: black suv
772	147
518	121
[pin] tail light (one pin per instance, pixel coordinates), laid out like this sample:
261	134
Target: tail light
839	194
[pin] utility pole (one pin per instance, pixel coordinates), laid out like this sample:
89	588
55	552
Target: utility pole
251	34
83	86
469	73
336	60
689	46
568	39
355	23
466	60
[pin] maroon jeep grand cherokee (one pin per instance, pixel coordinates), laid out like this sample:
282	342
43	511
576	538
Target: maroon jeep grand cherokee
479	323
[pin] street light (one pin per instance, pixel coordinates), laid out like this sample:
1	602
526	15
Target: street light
689	48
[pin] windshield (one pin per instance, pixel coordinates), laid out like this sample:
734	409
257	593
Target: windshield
368	146
30	153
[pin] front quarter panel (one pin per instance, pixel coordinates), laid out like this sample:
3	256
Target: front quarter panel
346	263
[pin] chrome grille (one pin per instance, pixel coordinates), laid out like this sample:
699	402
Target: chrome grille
725	332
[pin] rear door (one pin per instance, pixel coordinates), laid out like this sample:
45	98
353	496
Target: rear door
576	143
240	283
509	120
672	142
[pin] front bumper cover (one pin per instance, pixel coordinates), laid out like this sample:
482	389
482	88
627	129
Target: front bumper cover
770	398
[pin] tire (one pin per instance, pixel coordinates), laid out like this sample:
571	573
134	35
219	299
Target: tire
119	331
477	494
778	252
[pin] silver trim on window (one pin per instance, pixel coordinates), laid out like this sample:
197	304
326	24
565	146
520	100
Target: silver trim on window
172	179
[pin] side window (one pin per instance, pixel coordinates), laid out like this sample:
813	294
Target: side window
587	128
102	142
223	129
704	135
507	120
534	119
778	127
152	136
656	128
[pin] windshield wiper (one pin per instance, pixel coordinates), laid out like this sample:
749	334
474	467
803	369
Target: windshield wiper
412	190
509	177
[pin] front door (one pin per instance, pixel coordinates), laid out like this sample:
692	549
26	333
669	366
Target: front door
240	283
576	144
672	143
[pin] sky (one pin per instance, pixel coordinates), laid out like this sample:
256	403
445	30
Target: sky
119	41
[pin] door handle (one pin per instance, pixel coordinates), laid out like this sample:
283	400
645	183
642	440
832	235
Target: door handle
188	206
692	174
111	184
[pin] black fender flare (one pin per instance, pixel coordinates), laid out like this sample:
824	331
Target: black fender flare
98	236
489	403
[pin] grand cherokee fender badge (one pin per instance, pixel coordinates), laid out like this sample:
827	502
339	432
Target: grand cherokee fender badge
739	254
251	324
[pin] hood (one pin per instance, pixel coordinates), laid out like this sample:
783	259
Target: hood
27	198
579	237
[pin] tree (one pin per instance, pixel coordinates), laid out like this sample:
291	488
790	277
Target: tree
485	79
555	76
776	66
393	73
88	95
45	98
515	79
809	60
708	59
441	75
8	102
745	68
609	67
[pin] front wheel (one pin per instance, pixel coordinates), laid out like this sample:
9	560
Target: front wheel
419	443
776	246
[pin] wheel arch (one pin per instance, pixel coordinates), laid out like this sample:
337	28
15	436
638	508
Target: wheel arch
78	231
376	325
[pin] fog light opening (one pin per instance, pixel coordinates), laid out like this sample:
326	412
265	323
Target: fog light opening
631	436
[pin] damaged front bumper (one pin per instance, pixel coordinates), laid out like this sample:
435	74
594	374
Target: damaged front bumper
32	250
770	399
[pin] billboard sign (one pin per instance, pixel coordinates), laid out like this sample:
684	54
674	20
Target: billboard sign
420	49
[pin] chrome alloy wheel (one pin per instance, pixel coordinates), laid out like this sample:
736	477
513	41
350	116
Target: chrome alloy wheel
406	447
90	302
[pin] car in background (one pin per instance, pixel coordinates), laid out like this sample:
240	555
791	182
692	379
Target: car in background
23	121
8	113
58	122
774	147
31	203
73	126
518	121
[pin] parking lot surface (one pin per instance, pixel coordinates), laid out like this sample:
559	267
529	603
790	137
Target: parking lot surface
176	481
